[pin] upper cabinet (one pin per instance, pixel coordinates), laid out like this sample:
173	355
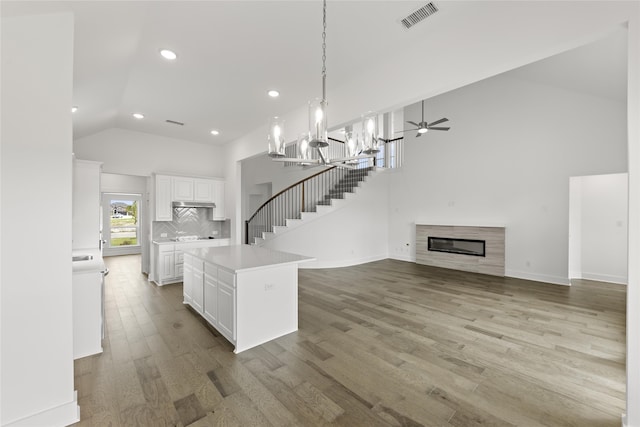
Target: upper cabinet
218	212
163	198
182	189
204	190
187	189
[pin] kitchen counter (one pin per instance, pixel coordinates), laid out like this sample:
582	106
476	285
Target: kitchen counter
167	241
240	258
94	265
248	293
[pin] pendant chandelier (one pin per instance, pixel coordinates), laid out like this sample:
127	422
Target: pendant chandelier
316	137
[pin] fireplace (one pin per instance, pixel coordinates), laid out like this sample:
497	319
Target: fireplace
478	249
456	246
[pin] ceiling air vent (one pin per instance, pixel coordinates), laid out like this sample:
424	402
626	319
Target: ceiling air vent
424	12
173	122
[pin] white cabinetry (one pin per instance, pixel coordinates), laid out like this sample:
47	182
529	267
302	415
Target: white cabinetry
210	293
226	304
250	293
170	259
166	263
187	281
204	190
218	213
182	189
187	189
163	198
194	283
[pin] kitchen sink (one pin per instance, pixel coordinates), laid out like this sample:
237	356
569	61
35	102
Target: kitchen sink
82	257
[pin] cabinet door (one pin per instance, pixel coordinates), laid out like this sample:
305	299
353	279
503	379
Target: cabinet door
219	211
179	261
187	281
204	190
198	285
226	309
166	265
211	294
182	189
163	198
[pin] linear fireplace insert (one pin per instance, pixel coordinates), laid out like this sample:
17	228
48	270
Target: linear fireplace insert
456	246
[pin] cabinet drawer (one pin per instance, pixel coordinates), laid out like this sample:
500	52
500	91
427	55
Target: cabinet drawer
210	270
226	277
166	248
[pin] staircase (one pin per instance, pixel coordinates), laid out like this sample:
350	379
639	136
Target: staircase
302	202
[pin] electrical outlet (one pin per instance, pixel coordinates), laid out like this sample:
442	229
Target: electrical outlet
269	286
214	233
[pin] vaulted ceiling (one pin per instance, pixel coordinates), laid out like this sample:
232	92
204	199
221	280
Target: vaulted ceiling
230	53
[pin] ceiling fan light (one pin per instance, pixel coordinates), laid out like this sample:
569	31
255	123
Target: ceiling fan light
422	130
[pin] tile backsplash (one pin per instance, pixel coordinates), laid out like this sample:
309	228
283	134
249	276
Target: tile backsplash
191	222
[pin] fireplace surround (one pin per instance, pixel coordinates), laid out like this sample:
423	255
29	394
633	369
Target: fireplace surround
478	249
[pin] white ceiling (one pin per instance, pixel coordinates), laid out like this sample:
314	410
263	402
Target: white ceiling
231	52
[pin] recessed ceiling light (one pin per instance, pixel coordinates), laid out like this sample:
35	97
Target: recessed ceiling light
168	54
74	109
215	132
138	116
273	93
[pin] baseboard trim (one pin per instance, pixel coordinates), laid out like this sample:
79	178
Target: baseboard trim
620	280
341	263
555	280
62	415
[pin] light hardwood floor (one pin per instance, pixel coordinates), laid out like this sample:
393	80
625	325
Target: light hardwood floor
388	343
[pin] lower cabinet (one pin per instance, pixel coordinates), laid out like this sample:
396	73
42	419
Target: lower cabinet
211	293
210	290
169	258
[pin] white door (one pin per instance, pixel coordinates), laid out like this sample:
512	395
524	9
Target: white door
121	219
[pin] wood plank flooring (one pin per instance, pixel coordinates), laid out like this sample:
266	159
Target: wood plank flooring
388	343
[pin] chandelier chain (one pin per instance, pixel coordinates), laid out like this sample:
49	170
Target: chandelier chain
324	47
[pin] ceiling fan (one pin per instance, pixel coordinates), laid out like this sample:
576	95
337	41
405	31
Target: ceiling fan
423	126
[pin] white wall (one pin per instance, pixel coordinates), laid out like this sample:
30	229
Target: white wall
506	161
354	233
632	418
602	210
37	334
117	183
137	153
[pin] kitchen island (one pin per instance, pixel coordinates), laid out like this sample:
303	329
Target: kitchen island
248	293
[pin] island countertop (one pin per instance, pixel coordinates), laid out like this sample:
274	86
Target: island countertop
239	258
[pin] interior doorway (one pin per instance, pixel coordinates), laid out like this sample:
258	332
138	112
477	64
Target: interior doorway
121	223
598	213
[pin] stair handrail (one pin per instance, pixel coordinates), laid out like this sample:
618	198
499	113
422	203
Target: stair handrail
295	184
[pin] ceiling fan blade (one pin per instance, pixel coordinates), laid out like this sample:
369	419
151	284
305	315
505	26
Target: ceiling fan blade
437	122
418	134
438	128
413	123
406	130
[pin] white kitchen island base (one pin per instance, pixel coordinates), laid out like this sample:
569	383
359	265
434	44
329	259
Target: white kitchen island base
249	294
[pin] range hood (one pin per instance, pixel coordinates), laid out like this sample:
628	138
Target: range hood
194	205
